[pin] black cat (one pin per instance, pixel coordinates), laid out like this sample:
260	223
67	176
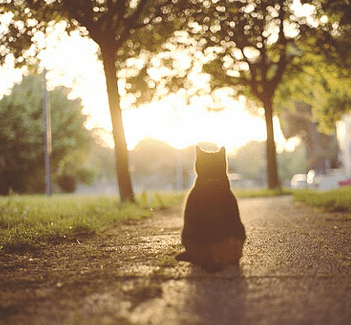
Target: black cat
213	235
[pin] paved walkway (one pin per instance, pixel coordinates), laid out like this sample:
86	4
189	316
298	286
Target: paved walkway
296	269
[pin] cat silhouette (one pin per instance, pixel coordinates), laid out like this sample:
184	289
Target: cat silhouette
213	235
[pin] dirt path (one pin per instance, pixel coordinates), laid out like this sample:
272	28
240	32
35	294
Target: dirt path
296	269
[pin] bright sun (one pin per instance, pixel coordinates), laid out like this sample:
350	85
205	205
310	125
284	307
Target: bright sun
169	120
181	125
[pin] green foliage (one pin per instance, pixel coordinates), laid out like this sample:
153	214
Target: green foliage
322	85
320	147
296	120
22	138
159	201
246	43
240	44
143	200
30	221
155	165
321	75
166	72
338	10
334	200
248	49
67	183
154	162
126	27
122	29
291	163
250	160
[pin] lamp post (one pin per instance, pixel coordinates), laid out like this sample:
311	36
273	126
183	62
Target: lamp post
47	137
179	168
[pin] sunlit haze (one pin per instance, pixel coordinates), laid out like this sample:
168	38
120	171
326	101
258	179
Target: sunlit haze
73	62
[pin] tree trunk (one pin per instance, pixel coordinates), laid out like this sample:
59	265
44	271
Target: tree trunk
272	167
121	151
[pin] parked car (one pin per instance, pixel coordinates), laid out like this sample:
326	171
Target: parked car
346	182
299	181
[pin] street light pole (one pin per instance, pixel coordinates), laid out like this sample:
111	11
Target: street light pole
179	170
47	138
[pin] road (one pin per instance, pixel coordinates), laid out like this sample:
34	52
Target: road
295	269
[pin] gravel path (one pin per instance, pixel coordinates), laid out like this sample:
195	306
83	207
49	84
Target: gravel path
296	269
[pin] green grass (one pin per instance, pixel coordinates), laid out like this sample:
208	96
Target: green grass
160	201
29	221
334	200
260	192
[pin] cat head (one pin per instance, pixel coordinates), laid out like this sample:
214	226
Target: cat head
211	164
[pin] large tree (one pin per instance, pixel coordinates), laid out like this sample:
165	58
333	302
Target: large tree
250	47
247	46
121	28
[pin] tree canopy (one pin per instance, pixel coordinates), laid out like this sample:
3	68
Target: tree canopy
249	46
255	47
124	26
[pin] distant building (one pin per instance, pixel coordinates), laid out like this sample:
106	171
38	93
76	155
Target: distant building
344	138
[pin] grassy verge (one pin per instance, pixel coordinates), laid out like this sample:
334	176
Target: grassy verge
260	192
334	200
28	221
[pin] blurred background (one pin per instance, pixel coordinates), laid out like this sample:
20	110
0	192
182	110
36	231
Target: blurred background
207	73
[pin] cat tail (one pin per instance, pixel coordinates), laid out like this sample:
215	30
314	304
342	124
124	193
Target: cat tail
184	257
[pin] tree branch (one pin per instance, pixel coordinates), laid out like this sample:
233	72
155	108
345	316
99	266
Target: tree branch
253	82
82	13
282	46
130	22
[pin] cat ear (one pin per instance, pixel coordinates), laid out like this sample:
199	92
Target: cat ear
222	150
198	150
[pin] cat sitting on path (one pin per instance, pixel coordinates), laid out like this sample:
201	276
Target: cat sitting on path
213	235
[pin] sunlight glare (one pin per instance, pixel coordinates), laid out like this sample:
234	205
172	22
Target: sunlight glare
181	126
72	61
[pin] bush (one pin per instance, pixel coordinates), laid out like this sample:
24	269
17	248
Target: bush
67	183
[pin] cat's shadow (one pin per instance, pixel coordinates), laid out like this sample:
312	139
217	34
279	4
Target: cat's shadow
218	297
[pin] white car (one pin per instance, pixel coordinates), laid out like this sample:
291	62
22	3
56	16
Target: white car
299	181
